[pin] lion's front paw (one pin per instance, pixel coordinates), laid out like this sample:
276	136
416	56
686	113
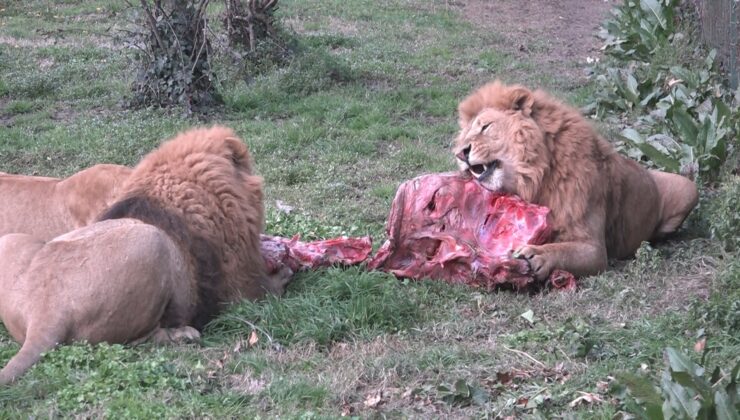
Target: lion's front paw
176	335
538	260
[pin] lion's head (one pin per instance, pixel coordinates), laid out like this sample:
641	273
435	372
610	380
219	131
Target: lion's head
500	143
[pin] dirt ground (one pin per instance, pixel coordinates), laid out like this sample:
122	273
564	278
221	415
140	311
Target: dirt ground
568	25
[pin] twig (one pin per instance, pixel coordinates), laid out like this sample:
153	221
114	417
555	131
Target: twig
200	19
525	354
152	23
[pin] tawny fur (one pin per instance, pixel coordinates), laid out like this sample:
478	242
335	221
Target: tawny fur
205	177
194	248
111	281
48	207
602	203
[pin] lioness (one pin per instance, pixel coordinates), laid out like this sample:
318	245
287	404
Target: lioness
117	281
602	204
48	207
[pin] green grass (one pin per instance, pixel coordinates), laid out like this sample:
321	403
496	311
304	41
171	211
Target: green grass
367	103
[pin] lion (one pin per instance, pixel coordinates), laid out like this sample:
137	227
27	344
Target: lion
48	207
182	240
603	205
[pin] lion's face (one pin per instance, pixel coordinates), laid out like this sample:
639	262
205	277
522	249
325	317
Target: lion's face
500	148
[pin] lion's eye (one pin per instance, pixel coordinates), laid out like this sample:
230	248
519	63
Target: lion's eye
485	126
477	169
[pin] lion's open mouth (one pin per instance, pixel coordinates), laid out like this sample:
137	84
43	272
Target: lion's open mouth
480	169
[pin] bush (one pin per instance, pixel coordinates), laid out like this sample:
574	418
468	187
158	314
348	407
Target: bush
685	391
175	67
723	214
684	117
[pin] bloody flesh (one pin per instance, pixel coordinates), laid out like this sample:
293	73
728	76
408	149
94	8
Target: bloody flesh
443	227
281	252
447	227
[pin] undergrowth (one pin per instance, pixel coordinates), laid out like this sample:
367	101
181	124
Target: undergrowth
666	87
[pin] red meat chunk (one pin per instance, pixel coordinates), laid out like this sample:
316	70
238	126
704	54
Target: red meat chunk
448	227
298	256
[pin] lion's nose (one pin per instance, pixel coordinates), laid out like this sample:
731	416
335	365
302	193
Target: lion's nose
464	154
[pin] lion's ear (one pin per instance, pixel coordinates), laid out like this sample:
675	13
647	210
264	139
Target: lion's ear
522	100
238	153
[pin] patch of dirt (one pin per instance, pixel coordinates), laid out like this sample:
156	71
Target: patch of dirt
568	28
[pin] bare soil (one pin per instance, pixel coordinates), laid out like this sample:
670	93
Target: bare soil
559	34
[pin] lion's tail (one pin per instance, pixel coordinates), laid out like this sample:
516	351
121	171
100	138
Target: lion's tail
33	347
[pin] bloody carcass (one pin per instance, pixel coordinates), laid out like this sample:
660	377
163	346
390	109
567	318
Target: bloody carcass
447	227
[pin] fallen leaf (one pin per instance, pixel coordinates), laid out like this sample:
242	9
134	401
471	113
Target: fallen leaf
284	207
504	377
253	338
238	346
528	316
699	346
674	82
347	409
373	400
586	397
602	386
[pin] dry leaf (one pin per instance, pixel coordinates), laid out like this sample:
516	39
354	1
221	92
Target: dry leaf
238	346
699	346
602	386
253	338
586	397
347	409
373	400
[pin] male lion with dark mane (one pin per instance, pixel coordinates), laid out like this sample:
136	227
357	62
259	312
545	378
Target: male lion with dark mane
182	240
602	204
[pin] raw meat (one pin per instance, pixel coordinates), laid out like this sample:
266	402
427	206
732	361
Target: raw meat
447	227
280	252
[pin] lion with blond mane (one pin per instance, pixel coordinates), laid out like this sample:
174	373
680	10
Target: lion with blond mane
182	240
603	205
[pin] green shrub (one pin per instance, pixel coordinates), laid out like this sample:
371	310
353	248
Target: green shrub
685	391
684	118
723	214
638	28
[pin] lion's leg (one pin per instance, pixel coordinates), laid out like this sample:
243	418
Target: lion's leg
678	196
579	258
36	343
